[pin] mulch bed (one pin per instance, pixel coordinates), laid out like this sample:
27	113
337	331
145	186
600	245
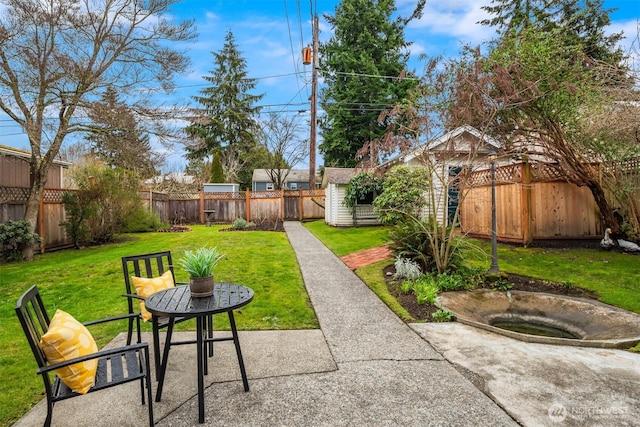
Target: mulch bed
277	225
176	229
422	312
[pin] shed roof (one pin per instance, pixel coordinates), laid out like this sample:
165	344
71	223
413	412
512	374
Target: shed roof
338	175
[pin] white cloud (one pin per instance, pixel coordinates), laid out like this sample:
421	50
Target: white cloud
455	18
631	31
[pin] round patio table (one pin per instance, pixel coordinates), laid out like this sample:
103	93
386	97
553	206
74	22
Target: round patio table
177	302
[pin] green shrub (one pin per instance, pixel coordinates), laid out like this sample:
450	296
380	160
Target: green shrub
471	278
425	289
14	237
501	285
100	208
406	286
141	221
449	282
406	269
442	315
78	208
403	194
240	223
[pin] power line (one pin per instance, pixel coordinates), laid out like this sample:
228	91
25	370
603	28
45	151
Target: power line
376	76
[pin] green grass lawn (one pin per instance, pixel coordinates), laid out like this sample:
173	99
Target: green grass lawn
345	241
88	284
614	276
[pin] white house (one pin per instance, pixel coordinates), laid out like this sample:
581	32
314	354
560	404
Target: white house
462	148
294	179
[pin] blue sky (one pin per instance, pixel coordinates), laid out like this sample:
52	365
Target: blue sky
271	33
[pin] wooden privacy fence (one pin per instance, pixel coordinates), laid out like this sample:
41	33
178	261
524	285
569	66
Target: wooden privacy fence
200	208
176	208
532	203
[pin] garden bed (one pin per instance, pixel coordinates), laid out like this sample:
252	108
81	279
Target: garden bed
423	312
277	225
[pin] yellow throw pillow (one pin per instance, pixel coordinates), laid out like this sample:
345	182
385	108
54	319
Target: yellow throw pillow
147	287
66	339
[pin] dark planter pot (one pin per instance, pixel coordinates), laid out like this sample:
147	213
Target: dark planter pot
201	286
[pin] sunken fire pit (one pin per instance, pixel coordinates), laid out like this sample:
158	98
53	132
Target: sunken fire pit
545	318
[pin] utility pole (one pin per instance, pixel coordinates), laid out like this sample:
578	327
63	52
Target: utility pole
314	94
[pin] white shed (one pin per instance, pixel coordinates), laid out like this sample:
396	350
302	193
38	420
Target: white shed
335	182
221	187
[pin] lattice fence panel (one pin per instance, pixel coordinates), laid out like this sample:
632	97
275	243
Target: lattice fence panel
53	195
267	194
504	175
543	172
235	195
185	196
13	195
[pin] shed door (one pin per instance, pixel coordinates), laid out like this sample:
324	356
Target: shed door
453	192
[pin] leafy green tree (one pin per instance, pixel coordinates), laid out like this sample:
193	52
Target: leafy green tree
404	194
117	139
106	200
582	22
217	173
57	56
514	16
226	122
363	65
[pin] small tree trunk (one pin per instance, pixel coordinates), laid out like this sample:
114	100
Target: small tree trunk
608	218
31	216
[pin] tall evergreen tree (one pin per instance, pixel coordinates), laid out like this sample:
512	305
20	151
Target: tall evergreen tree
217	171
582	22
117	139
362	65
227	120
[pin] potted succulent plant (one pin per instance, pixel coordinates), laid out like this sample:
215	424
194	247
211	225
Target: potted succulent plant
200	264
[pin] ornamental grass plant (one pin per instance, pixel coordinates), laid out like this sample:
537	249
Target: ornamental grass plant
200	262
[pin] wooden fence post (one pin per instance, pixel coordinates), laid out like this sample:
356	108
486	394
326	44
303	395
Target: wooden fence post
168	207
300	205
282	204
527	235
202	205
247	208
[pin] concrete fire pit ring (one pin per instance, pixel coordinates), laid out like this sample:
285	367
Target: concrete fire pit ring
591	323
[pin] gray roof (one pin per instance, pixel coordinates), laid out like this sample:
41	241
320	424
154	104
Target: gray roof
338	175
296	175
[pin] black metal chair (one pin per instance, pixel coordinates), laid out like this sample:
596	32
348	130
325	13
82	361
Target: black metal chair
115	366
149	266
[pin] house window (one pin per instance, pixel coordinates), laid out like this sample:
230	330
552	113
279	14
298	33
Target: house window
269	186
293	185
